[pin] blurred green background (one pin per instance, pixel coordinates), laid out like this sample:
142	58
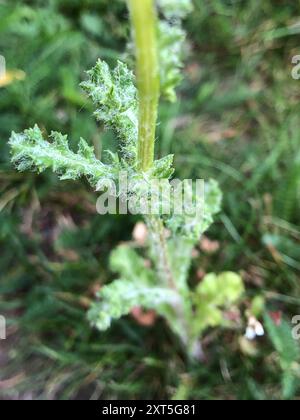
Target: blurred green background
237	120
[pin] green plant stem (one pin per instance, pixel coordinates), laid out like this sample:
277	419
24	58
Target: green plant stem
165	273
160	251
143	20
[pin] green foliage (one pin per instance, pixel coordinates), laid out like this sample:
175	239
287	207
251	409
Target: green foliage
238	126
257	306
31	151
175	8
288	352
122	296
192	224
220	290
163	168
139	287
171	39
128	264
214	293
115	97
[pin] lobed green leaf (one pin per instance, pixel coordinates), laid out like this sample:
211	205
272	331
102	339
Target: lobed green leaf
31	152
115	97
121	296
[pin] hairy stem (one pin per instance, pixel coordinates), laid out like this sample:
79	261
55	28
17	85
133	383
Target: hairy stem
143	21
160	251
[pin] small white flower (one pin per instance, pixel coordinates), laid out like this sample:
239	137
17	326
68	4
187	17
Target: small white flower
254	329
250	333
